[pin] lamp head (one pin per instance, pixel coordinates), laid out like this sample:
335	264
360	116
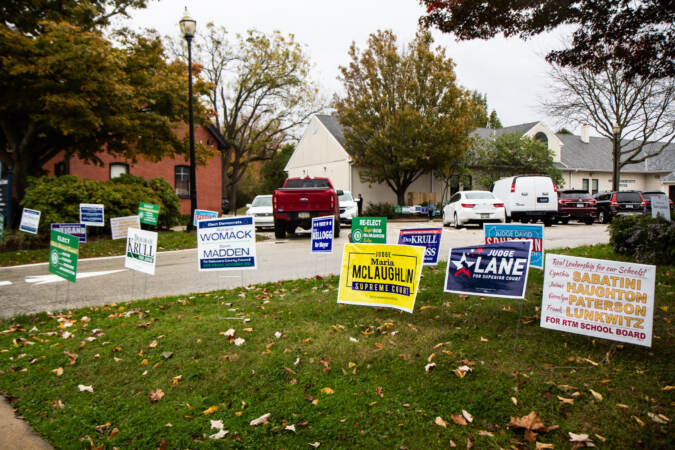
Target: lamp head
188	25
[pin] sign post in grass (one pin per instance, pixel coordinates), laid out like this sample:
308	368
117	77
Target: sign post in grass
64	250
148	213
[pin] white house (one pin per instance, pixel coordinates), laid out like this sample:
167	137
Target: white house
585	161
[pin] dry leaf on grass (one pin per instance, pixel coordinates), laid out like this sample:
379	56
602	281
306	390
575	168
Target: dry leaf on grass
84	388
290	428
57	404
581	440
113	433
378	391
568	401
262	420
217	424
459	419
315	444
532	425
156	395
639	421
597	395
467	416
219	435
429	367
542	445
440	422
327	391
461	371
210	410
58	371
153	344
514	400
658	418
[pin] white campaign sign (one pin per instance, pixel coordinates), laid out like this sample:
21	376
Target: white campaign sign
660	207
141	252
226	244
30	220
119	225
595	297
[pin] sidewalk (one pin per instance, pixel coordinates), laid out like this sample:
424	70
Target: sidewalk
15	434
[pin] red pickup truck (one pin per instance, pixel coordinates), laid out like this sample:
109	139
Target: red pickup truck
300	199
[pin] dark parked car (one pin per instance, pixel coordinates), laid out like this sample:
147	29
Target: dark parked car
622	203
648	199
574	204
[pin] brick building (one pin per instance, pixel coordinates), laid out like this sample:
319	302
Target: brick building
175	170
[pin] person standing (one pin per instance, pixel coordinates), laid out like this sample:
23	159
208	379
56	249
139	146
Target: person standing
359	204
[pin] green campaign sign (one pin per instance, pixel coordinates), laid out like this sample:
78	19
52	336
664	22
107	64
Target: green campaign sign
369	230
148	213
63	252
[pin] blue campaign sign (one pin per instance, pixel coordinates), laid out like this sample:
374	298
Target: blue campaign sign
492	270
201	214
503	232
322	234
79	230
226	244
429	238
92	214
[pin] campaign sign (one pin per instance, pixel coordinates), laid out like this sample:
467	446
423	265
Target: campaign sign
492	270
120	225
322	234
92	214
369	230
595	297
380	275
429	238
141	253
226	244
503	232
64	250
201	214
79	230
30	220
148	213
660	207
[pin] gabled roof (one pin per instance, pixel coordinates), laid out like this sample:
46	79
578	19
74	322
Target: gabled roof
597	155
670	178
490	132
333	126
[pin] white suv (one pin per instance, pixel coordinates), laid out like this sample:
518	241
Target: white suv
348	209
528	198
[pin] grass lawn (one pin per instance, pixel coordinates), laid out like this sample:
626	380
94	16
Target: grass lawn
340	376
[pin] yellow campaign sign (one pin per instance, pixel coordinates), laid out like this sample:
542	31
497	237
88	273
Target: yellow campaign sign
380	275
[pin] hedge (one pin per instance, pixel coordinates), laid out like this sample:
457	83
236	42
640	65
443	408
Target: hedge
646	239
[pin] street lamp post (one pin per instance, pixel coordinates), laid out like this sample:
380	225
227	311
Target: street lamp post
188	26
615	158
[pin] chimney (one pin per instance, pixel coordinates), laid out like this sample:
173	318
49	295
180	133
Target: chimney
585	134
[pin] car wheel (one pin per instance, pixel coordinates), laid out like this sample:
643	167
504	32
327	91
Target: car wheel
602	217
588	221
279	230
564	221
336	231
548	221
457	224
445	223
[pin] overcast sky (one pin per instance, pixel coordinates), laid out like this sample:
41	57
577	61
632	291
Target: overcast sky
511	72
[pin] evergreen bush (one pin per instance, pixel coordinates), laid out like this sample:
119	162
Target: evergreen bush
646	239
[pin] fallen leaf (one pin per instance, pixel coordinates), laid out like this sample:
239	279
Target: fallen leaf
467	416
621	405
167	355
667	388
102	428
175	380
590	361
602	439
351	364
482	339
219	435
153	344
440	422
210	410
84	388
514	400
277	334
217	424
113	433
327	391
314	444
431	357
57	404
581	439
597	395
262	420
156	395
568	401
378	391
461	371
542	445
351	339
459	419
429	367
239	341
452	444
639	421
485	433
58	371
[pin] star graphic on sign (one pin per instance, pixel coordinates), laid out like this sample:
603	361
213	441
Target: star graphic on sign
460	265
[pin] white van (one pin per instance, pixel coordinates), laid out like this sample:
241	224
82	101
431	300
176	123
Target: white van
528	198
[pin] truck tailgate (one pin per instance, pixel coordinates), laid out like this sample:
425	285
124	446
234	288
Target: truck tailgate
308	199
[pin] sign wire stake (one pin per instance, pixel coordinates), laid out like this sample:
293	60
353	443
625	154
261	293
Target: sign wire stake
520	316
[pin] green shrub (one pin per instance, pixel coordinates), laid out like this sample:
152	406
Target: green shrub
379	210
58	199
648	240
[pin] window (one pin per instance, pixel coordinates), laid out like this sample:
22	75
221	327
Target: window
541	137
182	181
595	185
61	168
584	184
117	169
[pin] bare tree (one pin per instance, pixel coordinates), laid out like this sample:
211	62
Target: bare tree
260	91
643	109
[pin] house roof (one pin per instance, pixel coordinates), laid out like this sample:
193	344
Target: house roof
333	126
597	155
490	132
670	178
